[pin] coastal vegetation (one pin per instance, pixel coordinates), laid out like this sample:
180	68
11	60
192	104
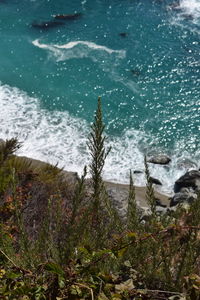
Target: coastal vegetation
64	239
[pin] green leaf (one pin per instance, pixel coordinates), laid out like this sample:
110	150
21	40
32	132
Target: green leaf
102	296
61	282
2	273
54	268
132	235
121	252
75	290
12	275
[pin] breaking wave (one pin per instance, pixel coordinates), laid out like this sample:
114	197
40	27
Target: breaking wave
187	14
191	8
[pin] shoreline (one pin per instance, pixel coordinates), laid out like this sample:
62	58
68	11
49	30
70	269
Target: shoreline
117	191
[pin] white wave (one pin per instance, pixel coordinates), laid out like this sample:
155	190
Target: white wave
64	52
49	136
58	137
191	7
187	10
186	15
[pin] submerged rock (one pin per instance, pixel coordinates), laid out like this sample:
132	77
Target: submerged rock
123	34
68	17
47	25
189	179
136	72
160	159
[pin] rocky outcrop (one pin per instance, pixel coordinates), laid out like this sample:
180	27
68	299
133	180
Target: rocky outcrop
186	188
190	179
160	159
184	196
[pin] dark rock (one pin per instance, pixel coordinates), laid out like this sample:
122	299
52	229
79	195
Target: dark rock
183	197
137	172
155	181
159	203
123	34
71	17
160	159
47	25
190	179
135	72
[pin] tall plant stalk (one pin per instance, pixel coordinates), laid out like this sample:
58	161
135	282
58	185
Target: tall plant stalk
150	195
96	145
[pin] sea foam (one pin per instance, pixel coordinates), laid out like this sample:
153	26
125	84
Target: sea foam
77	49
187	10
191	7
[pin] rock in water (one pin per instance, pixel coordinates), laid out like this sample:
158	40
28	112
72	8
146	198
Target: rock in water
123	34
137	172
155	181
47	25
68	17
190	179
135	72
160	159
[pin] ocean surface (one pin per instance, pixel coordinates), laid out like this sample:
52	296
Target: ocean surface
141	57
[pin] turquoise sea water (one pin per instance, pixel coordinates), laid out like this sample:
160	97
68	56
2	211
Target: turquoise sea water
148	78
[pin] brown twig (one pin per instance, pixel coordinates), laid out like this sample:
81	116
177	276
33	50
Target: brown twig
144	238
13	263
153	235
8	258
